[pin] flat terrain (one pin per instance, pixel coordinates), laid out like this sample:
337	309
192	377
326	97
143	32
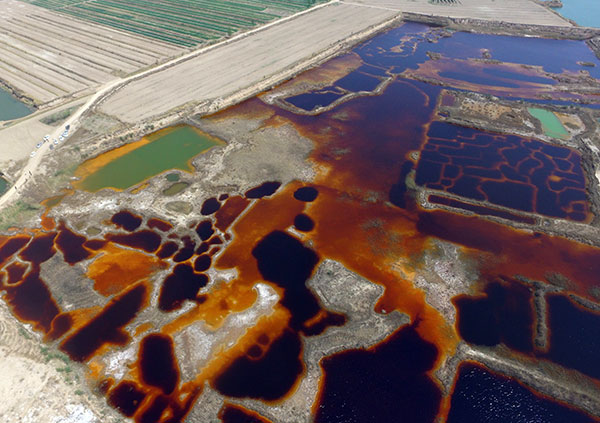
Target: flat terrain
180	22
511	11
230	68
46	56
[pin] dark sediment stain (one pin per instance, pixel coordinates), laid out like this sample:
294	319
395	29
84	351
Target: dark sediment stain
502	314
126	397
483	396
205	229
304	223
157	363
202	263
230	413
159	224
107	326
203	248
506	170
71	245
154	411
398	191
264	190
574	335
31	301
187	251
215	240
386	383
227	214
480	210
508	251
40	249
167	250
15	272
95	244
283	260
60	326
182	284
11	246
146	240
210	206
126	220
268	378
306	194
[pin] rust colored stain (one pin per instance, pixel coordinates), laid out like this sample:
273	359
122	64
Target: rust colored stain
31	301
12	245
231	413
71	245
107	326
501	250
232	208
15	272
117	268
159	224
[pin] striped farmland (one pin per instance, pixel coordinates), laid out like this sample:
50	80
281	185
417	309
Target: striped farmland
185	23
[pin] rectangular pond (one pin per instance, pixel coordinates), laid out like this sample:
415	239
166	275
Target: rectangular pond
126	166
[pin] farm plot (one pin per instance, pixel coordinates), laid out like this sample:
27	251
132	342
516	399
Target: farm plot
244	65
185	23
45	56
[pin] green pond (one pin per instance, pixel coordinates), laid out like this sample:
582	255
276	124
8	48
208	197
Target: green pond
175	189
171	148
173	177
3	185
11	108
550	123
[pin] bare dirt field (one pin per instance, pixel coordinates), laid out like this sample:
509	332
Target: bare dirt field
45	56
231	68
511	11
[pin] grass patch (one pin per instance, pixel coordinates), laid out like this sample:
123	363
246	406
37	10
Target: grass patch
18	213
57	118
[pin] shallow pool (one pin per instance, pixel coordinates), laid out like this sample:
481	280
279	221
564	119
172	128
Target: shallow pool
126	166
11	108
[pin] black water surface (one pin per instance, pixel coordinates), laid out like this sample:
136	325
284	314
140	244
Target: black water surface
126	220
482	396
311	101
264	190
306	194
210	206
269	377
40	249
386	383
158	365
574	335
126	397
304	223
503	314
106	327
205	229
282	259
182	284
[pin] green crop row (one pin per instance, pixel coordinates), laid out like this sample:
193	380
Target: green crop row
182	22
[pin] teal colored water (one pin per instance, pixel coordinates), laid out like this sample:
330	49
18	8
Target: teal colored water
11	108
550	123
583	12
3	185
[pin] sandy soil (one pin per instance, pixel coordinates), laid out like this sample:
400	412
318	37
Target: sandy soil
37	387
233	67
512	11
46	55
